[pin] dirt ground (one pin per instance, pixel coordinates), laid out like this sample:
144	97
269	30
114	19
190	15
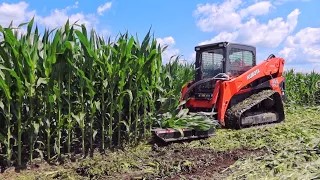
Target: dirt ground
183	162
169	162
201	163
211	164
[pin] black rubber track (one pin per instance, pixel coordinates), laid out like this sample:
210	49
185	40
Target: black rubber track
234	114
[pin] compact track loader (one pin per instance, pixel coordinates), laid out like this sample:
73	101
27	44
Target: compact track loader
230	85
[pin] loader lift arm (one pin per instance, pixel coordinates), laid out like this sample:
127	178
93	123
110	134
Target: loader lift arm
272	68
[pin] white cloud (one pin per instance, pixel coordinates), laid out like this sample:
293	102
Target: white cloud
304	68
59	17
223	36
303	47
16	12
167	41
75	6
240	29
193	56
259	8
228	15
215	17
269	34
19	13
280	2
170	50
101	9
105	33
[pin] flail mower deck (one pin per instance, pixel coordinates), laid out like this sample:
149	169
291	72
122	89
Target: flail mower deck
172	135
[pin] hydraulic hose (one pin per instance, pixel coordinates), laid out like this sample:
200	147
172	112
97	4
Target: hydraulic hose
271	56
224	77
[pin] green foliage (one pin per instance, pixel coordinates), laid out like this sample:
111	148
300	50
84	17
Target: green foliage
185	119
303	88
70	90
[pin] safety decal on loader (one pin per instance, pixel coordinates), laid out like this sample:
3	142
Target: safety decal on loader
254	73
275	82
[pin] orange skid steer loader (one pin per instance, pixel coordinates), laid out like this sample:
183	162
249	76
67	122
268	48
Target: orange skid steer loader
230	85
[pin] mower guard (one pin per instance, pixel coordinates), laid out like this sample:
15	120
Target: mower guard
170	135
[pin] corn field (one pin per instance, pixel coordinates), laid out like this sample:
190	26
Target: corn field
72	91
302	88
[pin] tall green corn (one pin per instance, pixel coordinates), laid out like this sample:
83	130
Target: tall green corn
302	88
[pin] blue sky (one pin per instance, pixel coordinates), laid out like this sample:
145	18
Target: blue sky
286	28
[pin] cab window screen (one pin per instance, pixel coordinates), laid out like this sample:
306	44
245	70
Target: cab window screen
212	62
240	61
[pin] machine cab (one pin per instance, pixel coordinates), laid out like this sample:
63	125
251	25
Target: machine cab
223	57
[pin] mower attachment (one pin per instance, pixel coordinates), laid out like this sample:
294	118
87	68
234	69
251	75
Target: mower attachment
170	135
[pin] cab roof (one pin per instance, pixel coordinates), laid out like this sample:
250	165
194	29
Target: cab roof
219	44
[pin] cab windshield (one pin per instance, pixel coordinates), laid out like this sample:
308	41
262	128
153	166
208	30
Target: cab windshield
212	62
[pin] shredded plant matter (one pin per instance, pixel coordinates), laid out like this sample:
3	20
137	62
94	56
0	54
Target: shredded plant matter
184	119
289	150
